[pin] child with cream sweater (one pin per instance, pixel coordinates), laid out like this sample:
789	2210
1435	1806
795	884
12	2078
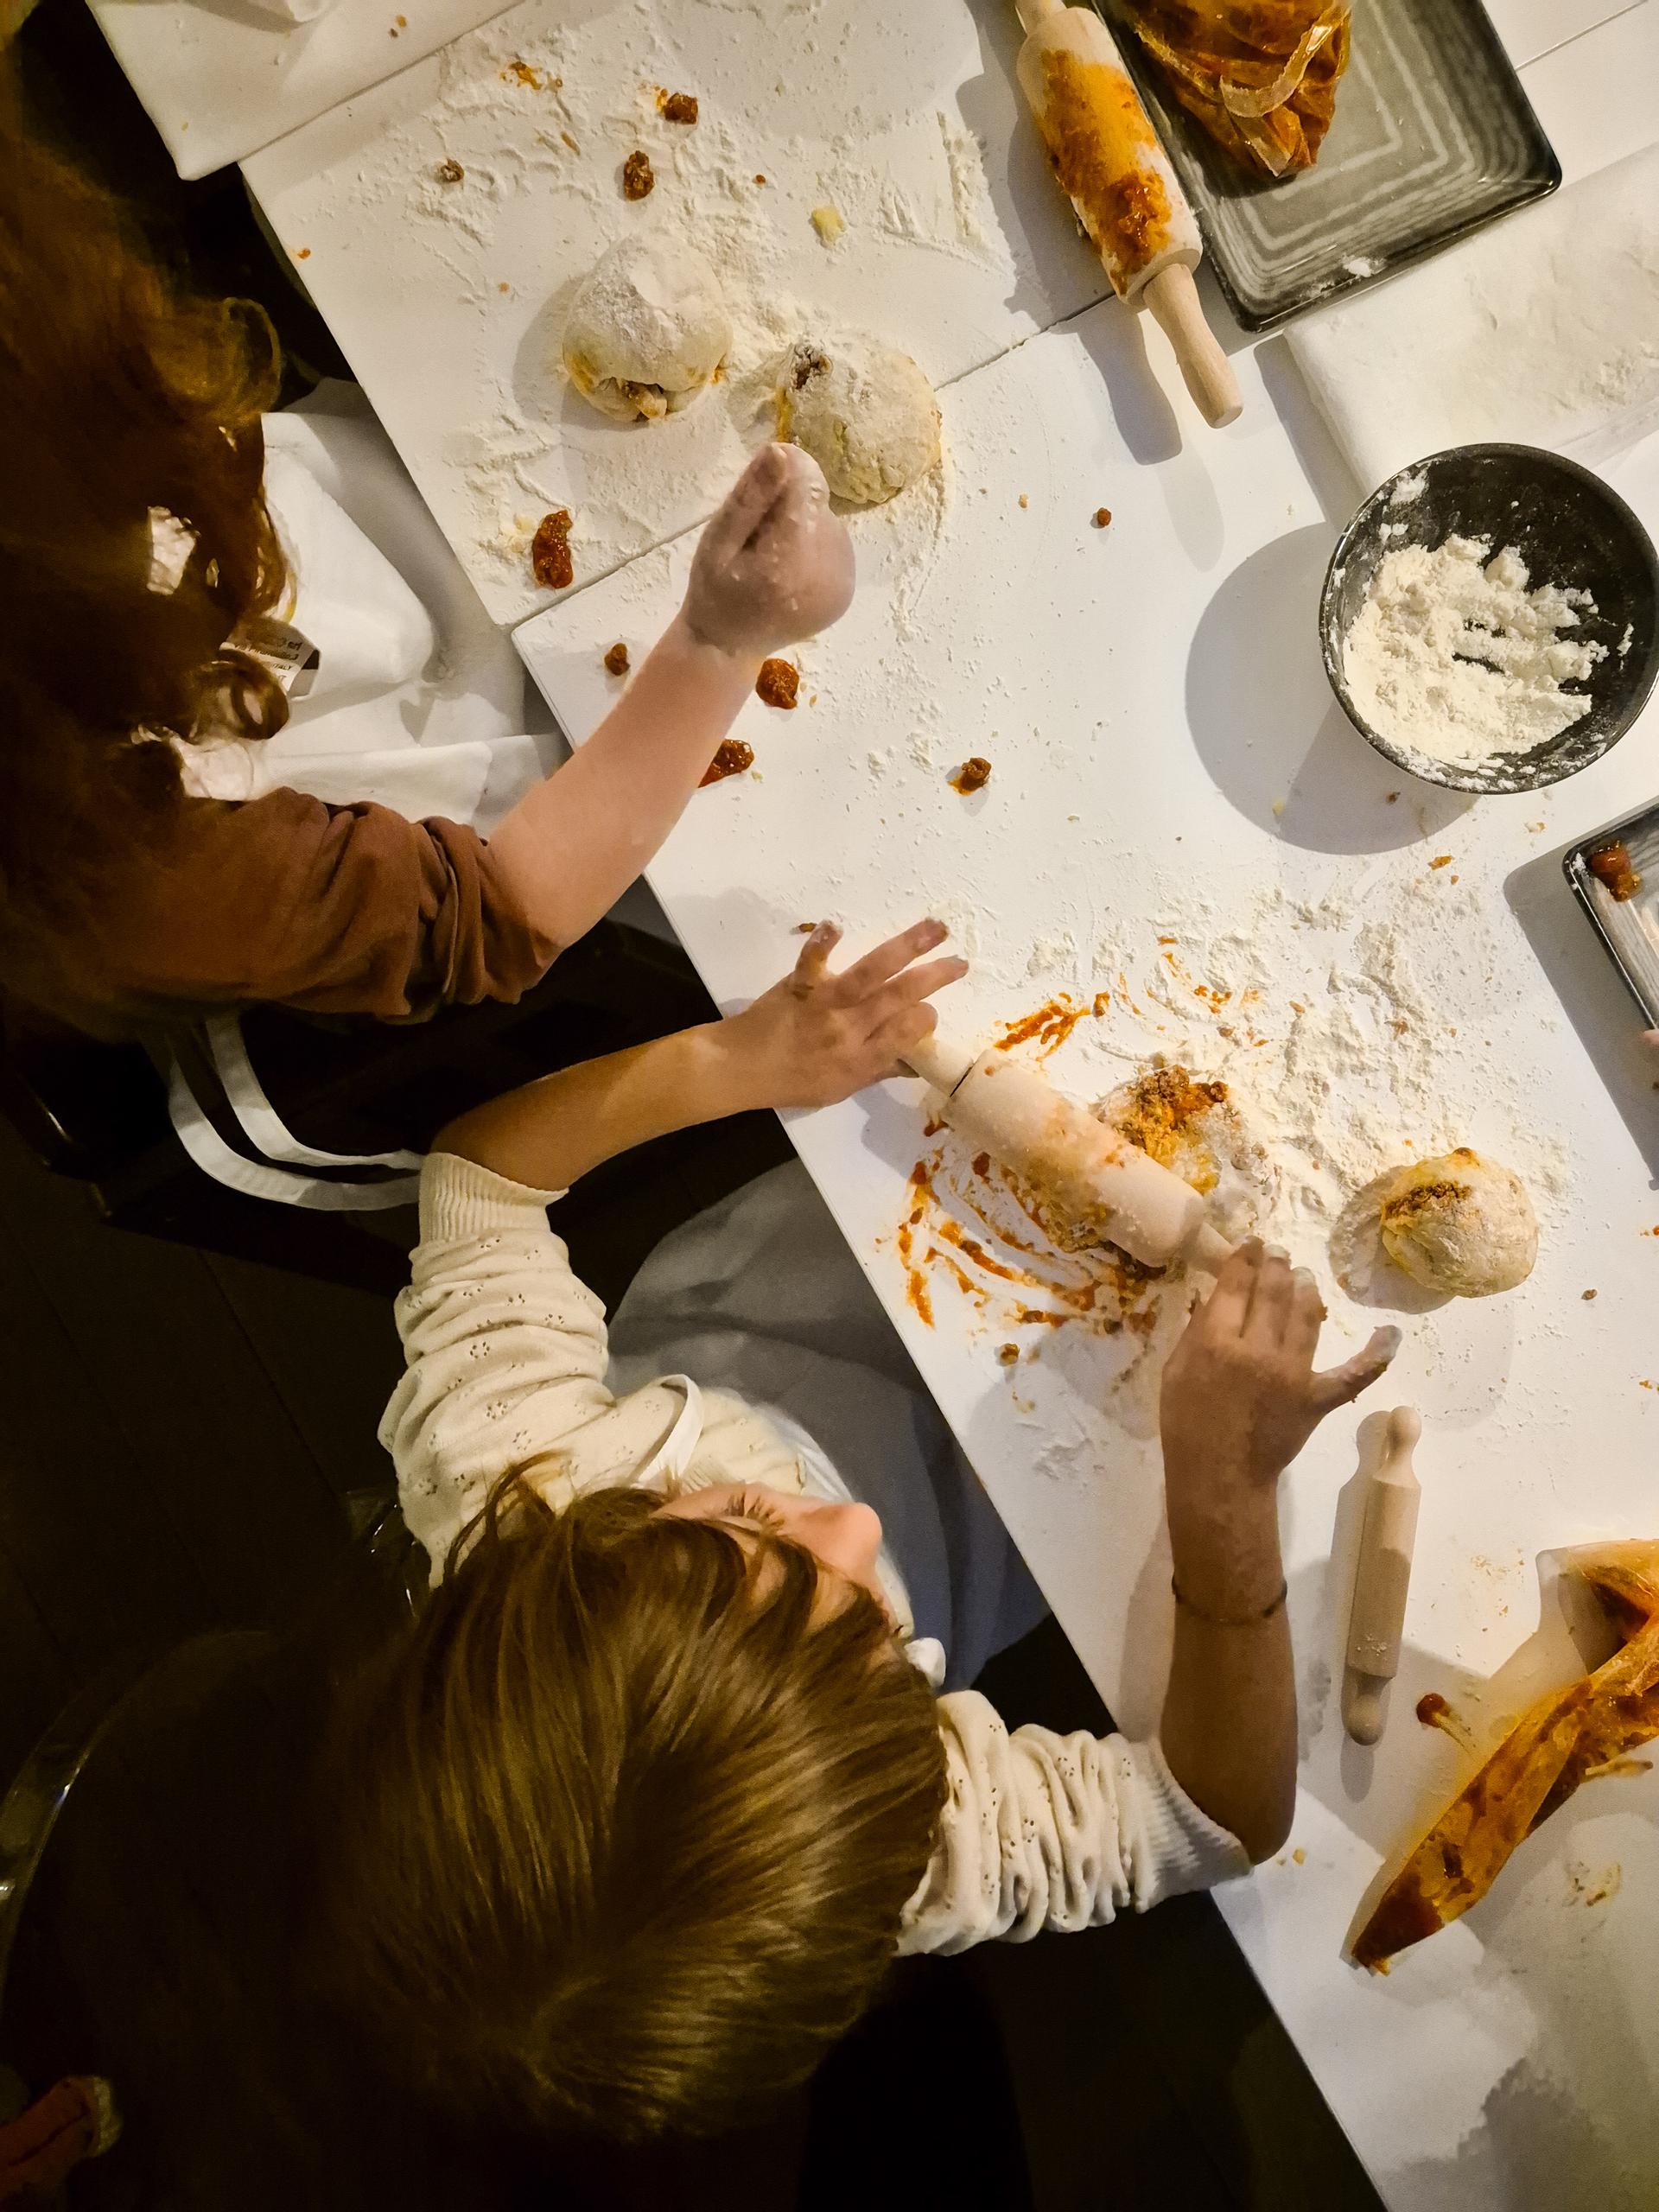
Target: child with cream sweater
627	1826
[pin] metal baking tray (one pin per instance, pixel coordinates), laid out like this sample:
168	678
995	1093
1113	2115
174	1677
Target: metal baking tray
1433	137
1629	928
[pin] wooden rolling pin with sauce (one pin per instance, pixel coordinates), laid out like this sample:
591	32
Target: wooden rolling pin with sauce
1106	155
1090	1173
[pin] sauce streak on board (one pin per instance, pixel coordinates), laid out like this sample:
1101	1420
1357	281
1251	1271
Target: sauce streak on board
1049	1026
777	684
732	758
1433	1712
550	551
1102	149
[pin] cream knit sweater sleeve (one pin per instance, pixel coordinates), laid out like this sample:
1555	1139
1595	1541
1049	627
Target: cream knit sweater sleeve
506	1358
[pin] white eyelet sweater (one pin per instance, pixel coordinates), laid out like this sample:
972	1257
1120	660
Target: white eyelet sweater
506	1364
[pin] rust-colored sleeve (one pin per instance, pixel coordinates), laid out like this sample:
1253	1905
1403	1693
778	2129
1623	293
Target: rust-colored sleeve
334	910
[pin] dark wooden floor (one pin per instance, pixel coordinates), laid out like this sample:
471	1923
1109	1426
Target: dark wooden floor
179	1433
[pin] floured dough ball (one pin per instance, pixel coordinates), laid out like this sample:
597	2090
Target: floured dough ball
647	330
1460	1225
865	413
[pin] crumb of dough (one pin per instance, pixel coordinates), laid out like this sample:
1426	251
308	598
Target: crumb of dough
804	929
1007	1355
1025	500
638	177
777	682
830	223
1101	517
616	661
550	551
450	172
1587	1295
677	107
732	758
1441	859
973	775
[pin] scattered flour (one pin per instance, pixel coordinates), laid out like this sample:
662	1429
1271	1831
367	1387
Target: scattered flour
1452	654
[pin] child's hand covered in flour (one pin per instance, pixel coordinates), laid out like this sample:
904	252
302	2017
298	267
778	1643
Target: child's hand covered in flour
775	564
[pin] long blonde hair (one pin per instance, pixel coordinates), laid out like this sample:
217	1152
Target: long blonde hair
619	1834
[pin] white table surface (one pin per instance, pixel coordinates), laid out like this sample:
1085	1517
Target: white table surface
220	79
448	300
1172	782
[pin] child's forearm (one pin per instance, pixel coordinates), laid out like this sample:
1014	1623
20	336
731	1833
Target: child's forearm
1228	1730
571	847
552	1132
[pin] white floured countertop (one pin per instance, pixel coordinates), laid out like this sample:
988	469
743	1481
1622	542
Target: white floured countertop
1180	819
222	77
1183	844
450	298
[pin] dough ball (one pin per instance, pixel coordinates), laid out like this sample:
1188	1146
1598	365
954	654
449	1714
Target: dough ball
865	413
1461	1224
647	330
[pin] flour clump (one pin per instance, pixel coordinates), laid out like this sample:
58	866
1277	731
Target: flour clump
647	330
1454	655
864	411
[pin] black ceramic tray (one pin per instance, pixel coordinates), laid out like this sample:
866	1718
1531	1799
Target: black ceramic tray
1433	136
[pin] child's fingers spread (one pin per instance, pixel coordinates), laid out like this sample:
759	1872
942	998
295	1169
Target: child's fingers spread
1306	1315
1272	1297
1227	1308
1339	1386
866	975
918	982
815	954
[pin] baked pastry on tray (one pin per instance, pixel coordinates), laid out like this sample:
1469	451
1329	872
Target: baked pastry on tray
1566	1736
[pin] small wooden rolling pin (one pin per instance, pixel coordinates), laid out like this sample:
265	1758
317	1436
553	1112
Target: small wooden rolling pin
1106	155
1093	1176
1382	1575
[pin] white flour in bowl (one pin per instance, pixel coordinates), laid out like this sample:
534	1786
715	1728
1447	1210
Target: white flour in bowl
1452	655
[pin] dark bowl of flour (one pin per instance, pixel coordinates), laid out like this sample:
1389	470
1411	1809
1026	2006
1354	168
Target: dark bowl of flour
1490	618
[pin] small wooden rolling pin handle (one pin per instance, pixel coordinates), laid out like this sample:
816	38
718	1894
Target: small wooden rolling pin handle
1382	1574
1173	299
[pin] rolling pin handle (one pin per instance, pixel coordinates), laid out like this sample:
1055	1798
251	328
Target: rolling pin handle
1207	1249
1362	1706
1173	299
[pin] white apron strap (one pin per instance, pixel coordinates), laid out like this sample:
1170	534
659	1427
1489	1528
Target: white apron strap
216	1157
678	1449
259	1118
